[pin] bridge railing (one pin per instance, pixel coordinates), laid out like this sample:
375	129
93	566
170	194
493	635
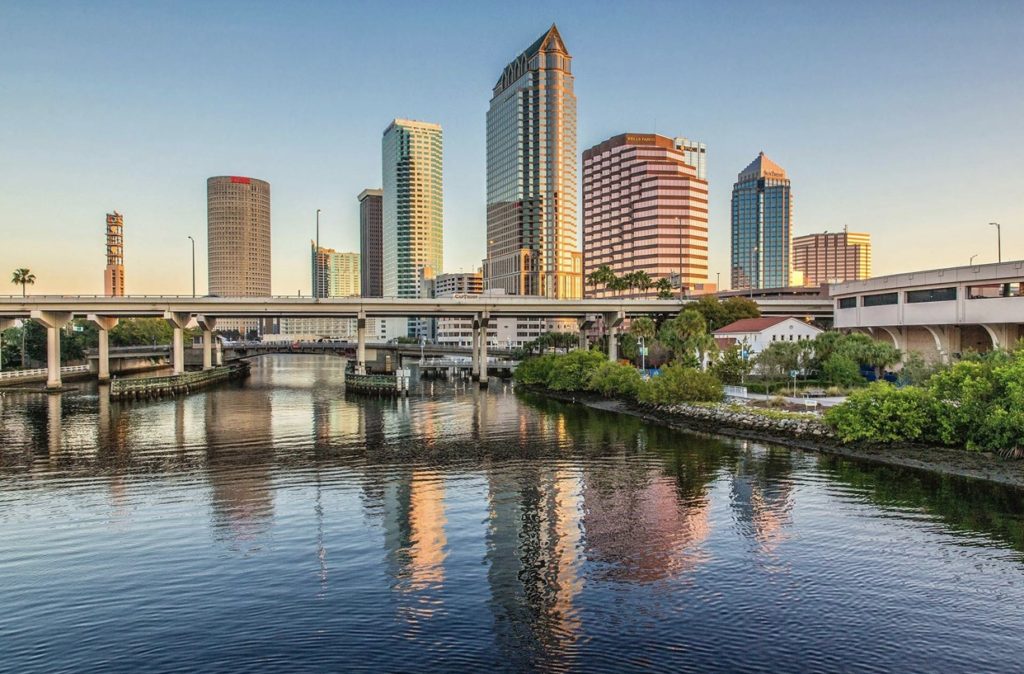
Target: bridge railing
40	371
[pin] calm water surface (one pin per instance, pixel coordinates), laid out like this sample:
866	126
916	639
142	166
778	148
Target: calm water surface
277	524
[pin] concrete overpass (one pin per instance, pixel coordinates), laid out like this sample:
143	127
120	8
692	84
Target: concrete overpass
55	311
940	311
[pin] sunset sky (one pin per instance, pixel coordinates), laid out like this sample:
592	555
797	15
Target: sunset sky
900	119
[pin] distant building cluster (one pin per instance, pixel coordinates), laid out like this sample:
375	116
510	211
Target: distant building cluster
645	213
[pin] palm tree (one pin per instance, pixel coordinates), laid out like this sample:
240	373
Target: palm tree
664	287
23	277
643	281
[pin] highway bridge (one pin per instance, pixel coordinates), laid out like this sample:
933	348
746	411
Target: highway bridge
55	311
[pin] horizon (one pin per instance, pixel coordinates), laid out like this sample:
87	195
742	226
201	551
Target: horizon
865	129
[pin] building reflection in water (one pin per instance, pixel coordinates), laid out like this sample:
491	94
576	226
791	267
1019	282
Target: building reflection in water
761	494
534	536
240	475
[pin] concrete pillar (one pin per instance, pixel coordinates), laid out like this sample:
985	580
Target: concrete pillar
1002	334
105	324
208	324
179	321
5	324
53	321
361	344
484	321
475	370
612	322
584	325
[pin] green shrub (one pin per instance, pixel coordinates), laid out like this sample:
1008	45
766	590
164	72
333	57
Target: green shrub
571	371
615	380
677	384
840	369
534	371
882	413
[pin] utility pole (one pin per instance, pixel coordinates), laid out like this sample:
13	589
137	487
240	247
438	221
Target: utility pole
999	239
193	266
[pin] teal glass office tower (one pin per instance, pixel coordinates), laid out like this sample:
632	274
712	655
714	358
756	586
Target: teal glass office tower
413	222
762	240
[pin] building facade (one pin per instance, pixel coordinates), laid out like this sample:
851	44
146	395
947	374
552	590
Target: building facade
113	275
532	246
645	209
762	209
371	242
832	257
334	274
238	241
413	223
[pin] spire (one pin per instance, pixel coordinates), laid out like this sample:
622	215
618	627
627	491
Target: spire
550	41
762	167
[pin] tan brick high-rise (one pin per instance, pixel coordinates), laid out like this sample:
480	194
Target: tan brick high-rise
238	240
238	236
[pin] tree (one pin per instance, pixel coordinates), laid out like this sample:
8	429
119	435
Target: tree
642	327
678	384
731	367
23	277
778	359
603	275
664	288
719	314
643	281
687	336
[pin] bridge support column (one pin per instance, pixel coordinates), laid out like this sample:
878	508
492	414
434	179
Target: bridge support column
612	322
105	324
179	321
208	325
53	321
484	321
584	325
947	340
475	369
361	344
1003	335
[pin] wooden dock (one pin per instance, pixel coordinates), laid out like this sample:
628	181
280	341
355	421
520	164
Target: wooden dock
144	388
396	384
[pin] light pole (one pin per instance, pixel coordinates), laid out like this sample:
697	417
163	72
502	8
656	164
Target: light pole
826	257
971	263
718	281
193	265
316	259
999	239
643	354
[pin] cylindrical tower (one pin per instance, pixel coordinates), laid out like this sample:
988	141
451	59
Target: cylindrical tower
238	236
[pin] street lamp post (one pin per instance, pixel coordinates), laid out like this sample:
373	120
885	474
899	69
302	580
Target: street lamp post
971	263
316	259
193	265
999	239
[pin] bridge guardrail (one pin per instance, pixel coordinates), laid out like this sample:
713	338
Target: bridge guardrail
40	371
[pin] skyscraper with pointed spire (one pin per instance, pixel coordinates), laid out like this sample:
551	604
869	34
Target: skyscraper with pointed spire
762	239
532	246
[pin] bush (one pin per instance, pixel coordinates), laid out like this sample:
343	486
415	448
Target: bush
534	371
615	380
840	369
572	371
678	384
882	413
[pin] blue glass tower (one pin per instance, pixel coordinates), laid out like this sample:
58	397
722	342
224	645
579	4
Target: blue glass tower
762	210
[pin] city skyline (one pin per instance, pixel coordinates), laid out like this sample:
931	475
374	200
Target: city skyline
887	96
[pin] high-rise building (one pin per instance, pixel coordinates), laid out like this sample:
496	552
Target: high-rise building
413	221
762	210
113	275
696	155
371	242
645	208
238	241
334	274
532	244
832	257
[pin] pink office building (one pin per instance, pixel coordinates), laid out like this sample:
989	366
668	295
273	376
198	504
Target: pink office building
645	208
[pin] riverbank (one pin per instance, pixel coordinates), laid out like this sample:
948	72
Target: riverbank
800	432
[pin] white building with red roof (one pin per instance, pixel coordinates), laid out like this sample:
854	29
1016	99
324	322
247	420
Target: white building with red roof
755	334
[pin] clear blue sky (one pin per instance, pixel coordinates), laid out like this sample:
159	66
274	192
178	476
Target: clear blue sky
901	119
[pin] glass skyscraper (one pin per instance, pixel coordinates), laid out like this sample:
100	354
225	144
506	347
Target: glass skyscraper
413	218
532	246
762	210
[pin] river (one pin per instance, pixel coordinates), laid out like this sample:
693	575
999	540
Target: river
275	524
